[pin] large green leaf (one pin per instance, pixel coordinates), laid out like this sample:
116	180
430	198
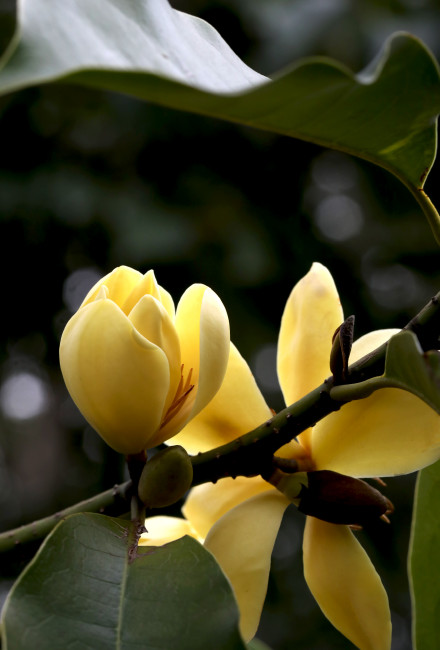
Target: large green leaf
86	589
424	560
386	114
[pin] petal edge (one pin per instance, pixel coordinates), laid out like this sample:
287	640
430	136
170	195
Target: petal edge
345	585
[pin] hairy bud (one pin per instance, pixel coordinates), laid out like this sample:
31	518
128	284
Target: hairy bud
341	348
342	499
165	478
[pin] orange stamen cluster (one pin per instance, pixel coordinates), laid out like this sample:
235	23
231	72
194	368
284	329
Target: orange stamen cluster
183	390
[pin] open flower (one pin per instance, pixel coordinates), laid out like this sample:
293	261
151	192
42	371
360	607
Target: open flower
390	432
137	369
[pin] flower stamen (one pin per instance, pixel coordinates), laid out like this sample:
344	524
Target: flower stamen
182	392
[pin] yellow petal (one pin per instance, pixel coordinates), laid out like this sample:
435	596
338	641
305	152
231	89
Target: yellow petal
152	321
313	311
146	286
370	342
120	283
345	585
167	302
391	432
162	530
242	542
117	378
203	328
208	502
237	408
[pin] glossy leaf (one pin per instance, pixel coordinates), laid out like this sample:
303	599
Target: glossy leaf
406	367
87	589
424	560
385	114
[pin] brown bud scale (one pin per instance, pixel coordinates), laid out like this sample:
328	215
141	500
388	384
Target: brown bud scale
341	499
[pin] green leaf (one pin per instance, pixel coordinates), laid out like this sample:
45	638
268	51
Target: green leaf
406	367
409	368
8	23
386	114
424	560
86	589
256	644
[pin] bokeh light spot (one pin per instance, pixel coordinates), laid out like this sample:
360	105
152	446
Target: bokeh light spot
339	217
23	396
76	286
394	286
333	172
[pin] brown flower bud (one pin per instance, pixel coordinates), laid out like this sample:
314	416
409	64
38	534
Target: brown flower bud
342	499
341	347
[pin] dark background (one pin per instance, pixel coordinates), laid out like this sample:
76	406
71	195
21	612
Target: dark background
91	180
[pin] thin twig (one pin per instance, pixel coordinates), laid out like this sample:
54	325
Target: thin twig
40	528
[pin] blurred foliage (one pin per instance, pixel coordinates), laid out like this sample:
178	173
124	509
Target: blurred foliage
91	180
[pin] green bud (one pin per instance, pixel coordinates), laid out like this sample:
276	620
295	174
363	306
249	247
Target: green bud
291	485
165	478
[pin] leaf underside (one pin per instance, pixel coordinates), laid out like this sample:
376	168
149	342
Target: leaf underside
386	114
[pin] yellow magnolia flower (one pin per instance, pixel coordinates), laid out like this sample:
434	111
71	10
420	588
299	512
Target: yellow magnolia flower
137	369
390	432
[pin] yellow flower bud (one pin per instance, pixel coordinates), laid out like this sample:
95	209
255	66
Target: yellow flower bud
137	370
